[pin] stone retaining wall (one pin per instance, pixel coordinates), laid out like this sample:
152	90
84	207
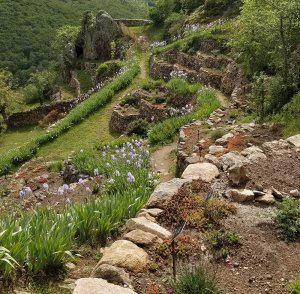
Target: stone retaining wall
119	121
134	22
32	117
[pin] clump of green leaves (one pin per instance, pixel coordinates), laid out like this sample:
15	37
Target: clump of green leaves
55	166
181	87
217	134
288	219
295	286
194	281
129	100
138	127
221	241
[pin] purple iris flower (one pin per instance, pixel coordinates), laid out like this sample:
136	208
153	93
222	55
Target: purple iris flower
130	177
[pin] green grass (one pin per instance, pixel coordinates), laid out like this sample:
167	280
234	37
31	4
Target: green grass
195	281
85	80
92	130
295	286
16	137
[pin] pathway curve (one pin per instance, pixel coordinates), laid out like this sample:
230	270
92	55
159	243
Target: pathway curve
163	162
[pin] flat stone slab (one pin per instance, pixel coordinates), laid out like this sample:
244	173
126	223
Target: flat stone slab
99	286
140	237
153	211
125	254
294	140
164	192
147	226
242	195
201	171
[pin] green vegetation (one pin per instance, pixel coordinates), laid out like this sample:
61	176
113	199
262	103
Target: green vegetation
288	219
194	281
222	241
129	100
76	116
85	80
108	69
28	27
166	131
45	240
139	127
181	87
295	287
269	55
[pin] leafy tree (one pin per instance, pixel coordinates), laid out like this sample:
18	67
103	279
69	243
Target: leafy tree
65	35
266	39
6	92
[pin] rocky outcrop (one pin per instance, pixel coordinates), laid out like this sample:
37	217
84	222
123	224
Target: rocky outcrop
134	22
97	35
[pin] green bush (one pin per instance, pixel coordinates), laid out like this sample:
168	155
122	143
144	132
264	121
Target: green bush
217	134
149	84
129	100
195	281
295	287
56	166
288	219
138	127
158	99
166	131
107	69
221	241
181	87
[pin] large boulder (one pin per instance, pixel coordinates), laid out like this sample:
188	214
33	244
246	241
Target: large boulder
98	286
164	192
145	225
97	35
254	154
201	171
126	254
277	146
232	158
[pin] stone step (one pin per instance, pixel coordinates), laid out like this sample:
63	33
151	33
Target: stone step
145	225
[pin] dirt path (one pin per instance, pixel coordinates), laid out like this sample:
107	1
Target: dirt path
222	98
163	162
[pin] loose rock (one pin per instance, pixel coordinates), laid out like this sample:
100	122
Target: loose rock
143	238
126	254
98	286
242	195
145	225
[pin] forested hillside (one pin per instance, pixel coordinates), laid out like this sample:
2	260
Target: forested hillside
28	26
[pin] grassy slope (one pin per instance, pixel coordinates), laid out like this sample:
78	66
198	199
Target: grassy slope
28	26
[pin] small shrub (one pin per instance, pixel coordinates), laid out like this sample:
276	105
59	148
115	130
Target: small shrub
158	99
55	166
221	241
139	127
217	134
129	100
107	69
288	219
295	286
51	117
149	84
194	281
181	87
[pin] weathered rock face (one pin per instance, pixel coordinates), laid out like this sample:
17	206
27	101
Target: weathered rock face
125	254
242	195
237	174
98	286
140	237
97	36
